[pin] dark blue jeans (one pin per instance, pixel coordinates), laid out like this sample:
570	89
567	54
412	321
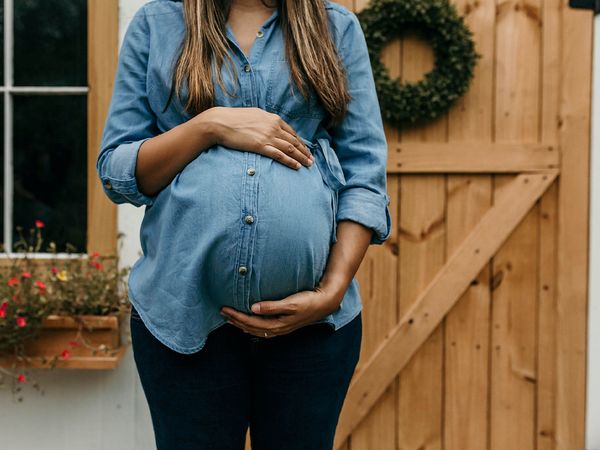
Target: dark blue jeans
288	389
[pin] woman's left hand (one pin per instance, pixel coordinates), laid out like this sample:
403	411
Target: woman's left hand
276	317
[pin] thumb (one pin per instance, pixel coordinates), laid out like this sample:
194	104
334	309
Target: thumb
269	307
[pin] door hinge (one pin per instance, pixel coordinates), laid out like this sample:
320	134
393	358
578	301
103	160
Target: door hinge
586	4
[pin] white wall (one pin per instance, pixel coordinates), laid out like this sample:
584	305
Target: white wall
85	410
593	375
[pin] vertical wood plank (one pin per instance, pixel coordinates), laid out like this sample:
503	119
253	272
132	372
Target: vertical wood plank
547	323
573	197
467	325
422	254
377	277
103	50
515	267
547	318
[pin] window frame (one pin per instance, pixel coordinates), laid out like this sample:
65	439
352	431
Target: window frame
102	58
103	54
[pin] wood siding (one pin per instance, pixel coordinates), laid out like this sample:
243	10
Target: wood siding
475	309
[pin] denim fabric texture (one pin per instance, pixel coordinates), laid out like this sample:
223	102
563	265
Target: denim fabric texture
235	227
288	390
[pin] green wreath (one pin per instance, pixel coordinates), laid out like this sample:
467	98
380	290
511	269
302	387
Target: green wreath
453	47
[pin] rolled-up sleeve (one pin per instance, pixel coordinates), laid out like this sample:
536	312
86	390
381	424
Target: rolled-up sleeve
360	142
130	120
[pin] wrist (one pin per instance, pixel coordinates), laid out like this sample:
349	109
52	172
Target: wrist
207	125
334	289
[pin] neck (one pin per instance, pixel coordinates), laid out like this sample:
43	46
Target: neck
249	5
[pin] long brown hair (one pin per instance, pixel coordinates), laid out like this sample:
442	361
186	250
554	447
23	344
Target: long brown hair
311	54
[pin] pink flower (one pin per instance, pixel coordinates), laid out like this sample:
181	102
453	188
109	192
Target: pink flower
66	354
73	343
21	378
12	281
94	255
39	223
25	275
54	269
21	321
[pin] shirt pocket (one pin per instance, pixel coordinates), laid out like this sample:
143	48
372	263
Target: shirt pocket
332	174
281	99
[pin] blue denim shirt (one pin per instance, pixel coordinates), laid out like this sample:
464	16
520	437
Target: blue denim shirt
235	227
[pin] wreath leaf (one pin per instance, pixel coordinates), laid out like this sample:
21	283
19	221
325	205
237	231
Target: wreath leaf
454	52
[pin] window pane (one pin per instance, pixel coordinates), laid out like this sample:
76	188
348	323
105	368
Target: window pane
2	173
1	42
50	161
50	44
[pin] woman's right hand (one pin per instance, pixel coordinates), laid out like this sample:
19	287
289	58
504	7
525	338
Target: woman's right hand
259	131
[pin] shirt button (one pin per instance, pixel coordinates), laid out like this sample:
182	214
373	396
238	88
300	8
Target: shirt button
107	184
243	270
247	67
260	33
251	171
249	219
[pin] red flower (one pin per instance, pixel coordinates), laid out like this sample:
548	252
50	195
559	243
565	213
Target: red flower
54	269
3	309
73	343
25	275
94	255
66	354
40	284
21	378
12	281
21	321
96	264
39	223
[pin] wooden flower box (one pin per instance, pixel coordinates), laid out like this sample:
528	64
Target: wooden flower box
56	333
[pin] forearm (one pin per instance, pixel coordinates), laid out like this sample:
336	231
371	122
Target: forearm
345	258
163	156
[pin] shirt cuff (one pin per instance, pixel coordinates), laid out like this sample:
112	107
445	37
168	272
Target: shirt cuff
121	185
367	208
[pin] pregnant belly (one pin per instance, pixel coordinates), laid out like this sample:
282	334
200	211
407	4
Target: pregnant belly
202	217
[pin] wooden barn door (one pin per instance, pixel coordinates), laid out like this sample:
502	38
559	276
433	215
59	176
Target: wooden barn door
475	309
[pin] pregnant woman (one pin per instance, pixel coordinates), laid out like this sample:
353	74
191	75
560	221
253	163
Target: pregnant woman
251	133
